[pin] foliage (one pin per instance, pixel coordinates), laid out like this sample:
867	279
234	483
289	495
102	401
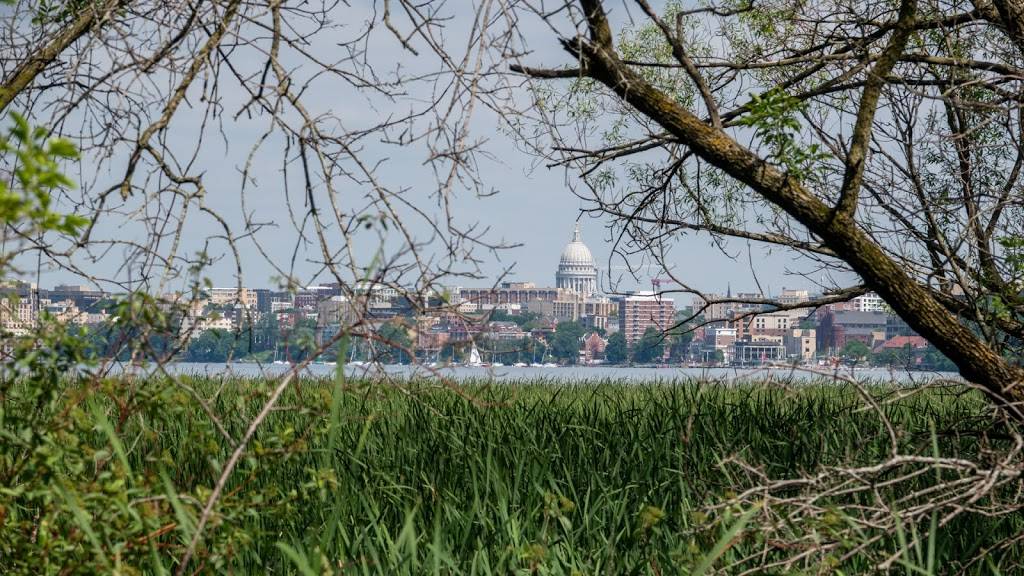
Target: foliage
212	346
566	343
650	347
525	320
911	358
394	345
855	349
616	351
898	358
28	205
596	487
509	351
773	115
681	336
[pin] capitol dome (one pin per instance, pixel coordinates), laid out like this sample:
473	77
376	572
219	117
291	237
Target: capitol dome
576	269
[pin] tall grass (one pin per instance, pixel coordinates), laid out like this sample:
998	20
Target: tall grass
536	477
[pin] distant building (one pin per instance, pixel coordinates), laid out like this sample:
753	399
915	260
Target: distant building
915	343
576	269
593	348
85	298
248	299
521	293
574	296
335	310
332	314
19	307
718	307
590	311
772	323
838	327
432	334
896	326
195	323
869	302
272	300
758	350
503	331
644	310
308	298
718	339
801	343
793	297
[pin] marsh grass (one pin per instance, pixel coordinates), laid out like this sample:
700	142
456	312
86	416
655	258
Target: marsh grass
533	477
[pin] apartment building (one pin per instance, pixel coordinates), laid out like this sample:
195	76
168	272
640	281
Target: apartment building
643	310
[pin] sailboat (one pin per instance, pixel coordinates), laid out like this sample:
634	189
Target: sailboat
279	361
474	358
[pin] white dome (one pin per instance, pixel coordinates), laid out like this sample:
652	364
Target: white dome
576	269
576	253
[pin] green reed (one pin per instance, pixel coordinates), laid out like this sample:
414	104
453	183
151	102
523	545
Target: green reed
367	477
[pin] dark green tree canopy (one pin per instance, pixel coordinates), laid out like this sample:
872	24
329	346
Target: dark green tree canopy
616	352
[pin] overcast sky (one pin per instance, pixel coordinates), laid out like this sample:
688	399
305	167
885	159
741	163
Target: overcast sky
534	205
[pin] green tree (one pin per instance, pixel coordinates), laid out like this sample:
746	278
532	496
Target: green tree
650	347
893	357
565	345
681	336
784	166
616	351
855	349
395	344
210	346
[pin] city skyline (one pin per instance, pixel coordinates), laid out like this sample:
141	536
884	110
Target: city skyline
543	279
546	248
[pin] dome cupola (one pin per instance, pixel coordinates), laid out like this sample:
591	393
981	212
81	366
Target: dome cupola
576	269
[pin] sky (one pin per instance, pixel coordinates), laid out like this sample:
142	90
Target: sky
533	206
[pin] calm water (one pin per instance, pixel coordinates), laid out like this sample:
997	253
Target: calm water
562	374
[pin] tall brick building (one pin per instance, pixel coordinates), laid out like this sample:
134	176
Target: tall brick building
642	310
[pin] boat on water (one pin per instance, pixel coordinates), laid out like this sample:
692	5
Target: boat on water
475	361
520	365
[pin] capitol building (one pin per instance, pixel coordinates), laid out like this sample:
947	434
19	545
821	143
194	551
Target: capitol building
574	297
576	269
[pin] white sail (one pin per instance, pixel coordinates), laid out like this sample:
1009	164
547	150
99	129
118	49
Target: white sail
474	357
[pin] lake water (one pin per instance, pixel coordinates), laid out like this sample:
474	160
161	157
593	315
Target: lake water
580	374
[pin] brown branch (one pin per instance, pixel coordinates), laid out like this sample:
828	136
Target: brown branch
856	158
91	15
549	73
910	300
679	52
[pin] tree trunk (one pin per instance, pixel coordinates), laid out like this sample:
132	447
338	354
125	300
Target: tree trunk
910	300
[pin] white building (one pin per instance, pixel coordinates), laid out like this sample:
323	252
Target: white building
193	326
232	296
576	269
869	302
793	297
17	314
